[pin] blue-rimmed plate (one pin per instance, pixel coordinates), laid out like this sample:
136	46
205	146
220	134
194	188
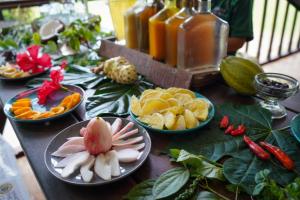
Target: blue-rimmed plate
211	114
25	77
52	101
295	127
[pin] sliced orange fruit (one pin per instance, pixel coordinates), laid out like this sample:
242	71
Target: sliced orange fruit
66	101
22	110
21	104
58	110
27	115
23	99
46	114
75	99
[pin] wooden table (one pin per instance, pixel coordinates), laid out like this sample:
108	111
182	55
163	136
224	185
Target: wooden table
35	137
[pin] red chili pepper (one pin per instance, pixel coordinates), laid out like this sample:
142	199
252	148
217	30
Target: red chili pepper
285	160
256	149
224	122
229	129
239	131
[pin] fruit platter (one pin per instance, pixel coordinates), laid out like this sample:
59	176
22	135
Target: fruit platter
25	106
97	151
172	110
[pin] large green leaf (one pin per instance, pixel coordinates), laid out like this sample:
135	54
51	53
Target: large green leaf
241	168
75	75
205	195
142	191
113	98
170	182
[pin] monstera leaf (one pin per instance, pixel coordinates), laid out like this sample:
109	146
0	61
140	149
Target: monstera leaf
114	99
241	167
75	75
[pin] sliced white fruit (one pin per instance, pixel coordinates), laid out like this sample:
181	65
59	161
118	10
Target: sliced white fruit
128	155
73	141
72	166
123	130
67	150
130	146
116	126
102	168
127	134
108	125
64	162
113	162
129	141
85	171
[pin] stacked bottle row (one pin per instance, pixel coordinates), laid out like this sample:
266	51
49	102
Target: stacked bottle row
186	38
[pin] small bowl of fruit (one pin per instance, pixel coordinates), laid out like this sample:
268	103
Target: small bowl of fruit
275	87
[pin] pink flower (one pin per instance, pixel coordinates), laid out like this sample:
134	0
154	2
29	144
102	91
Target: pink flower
29	61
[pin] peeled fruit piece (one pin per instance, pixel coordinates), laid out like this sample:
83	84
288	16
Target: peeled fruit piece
174	90
67	100
173	102
196	104
97	138
45	115
23	99
102	168
183	98
169	119
27	115
201	114
85	171
151	95
76	97
50	29
155	120
21	104
128	155
154	105
22	110
135	105
58	110
180	123
67	150
113	162
176	110
74	164
190	120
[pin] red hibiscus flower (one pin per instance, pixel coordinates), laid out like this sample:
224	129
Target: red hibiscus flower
49	87
30	60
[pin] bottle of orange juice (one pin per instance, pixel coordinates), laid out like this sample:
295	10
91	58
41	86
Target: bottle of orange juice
172	24
130	24
202	39
142	19
157	30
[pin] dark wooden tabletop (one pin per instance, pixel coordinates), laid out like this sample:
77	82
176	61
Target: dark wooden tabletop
35	137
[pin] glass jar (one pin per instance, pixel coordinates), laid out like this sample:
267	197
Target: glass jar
157	31
142	19
172	24
202	39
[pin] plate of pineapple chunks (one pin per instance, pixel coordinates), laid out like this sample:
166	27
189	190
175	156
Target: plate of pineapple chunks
24	107
172	110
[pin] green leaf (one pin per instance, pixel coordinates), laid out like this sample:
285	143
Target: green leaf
242	167
113	98
170	182
199	166
10	42
205	195
51	47
36	39
142	191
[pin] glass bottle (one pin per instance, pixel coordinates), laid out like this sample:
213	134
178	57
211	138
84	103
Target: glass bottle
117	9
172	24
157	32
202	39
142	19
130	26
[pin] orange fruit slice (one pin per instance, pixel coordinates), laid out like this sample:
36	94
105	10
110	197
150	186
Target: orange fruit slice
75	99
23	99
22	110
26	115
21	104
58	110
46	114
66	101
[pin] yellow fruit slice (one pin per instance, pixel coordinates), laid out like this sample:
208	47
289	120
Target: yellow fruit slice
180	123
183	98
26	115
13	109
166	95
22	110
66	101
174	90
21	104
190	120
151	95
46	114
169	119
176	110
58	110
135	106
201	114
76	97
196	104
154	105
157	121
173	102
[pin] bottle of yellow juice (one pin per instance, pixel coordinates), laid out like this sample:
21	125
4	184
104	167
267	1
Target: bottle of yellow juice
172	24
157	31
